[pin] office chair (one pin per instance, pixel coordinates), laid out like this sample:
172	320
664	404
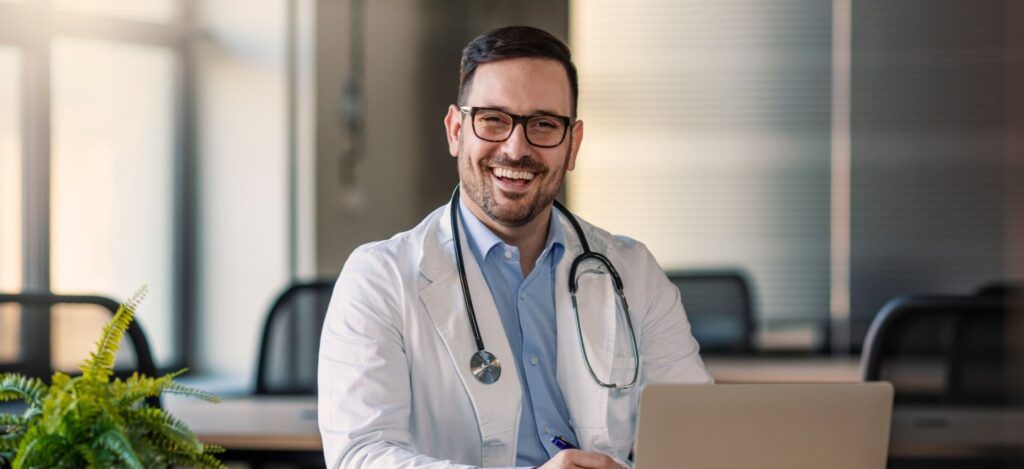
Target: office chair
37	361
948	350
291	339
1001	288
720	309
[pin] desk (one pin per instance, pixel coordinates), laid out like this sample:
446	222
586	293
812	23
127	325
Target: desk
935	431
288	424
262	423
753	369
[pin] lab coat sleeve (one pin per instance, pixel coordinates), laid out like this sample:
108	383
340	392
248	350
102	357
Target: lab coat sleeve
667	347
364	389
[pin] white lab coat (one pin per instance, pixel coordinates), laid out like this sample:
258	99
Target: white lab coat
395	387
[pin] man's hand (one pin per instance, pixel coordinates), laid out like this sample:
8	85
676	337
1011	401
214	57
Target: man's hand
577	459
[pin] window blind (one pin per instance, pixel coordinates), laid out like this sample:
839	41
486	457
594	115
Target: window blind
707	137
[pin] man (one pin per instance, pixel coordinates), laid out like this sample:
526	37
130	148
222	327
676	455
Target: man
399	347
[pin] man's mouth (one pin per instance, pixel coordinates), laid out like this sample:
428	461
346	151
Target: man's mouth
513	175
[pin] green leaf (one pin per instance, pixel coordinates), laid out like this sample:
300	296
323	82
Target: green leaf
160	422
10	441
213	449
138	387
39	450
178	388
14	386
114	441
90	455
100	365
11	420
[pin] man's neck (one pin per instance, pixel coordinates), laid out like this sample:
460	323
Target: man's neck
529	238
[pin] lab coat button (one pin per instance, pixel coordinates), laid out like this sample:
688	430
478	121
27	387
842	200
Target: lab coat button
534	361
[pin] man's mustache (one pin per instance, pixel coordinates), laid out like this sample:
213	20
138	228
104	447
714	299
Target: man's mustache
525	164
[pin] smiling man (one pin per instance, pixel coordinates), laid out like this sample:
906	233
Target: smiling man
459	343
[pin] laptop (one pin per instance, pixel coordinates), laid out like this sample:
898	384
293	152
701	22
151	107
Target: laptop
764	426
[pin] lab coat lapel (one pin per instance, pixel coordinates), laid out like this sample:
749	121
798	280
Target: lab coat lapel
586	400
497	405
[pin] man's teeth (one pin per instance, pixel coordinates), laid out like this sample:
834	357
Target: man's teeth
513	174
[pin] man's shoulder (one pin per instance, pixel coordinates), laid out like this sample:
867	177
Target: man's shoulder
605	241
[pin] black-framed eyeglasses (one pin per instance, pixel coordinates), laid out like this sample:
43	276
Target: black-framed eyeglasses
495	125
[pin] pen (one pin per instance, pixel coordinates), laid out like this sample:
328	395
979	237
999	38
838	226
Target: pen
561	442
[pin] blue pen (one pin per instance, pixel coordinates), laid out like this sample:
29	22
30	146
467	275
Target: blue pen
561	442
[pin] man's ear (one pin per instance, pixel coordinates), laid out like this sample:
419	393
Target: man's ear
453	129
575	140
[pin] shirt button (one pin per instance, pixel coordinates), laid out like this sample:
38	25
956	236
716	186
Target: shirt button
522	296
508	254
534	361
547	430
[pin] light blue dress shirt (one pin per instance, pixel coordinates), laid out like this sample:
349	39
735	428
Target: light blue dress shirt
527	310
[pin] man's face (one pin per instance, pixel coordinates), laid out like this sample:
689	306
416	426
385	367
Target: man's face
524	86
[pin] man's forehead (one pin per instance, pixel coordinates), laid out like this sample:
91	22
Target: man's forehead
522	86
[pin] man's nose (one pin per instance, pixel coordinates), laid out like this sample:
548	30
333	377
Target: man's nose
517	145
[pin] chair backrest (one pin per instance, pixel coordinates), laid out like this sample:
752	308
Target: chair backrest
941	350
719	305
39	359
291	339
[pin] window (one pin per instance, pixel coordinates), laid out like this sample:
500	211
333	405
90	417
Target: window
111	173
90	202
10	196
707	138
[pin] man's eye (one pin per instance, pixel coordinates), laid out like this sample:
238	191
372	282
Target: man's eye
492	120
544	124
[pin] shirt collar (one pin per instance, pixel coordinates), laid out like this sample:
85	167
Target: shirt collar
482	240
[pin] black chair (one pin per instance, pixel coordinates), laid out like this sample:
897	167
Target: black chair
37	362
720	307
955	354
947	350
291	339
1001	288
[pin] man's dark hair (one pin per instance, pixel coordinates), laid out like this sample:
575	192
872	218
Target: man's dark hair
513	42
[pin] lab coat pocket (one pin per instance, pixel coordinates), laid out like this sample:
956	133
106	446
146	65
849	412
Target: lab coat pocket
622	404
623	369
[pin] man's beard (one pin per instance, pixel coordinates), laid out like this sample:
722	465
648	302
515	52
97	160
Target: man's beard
480	189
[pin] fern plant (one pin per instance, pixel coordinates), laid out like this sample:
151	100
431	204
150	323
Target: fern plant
93	421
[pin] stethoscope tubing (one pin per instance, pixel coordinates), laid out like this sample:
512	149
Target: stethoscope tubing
462	271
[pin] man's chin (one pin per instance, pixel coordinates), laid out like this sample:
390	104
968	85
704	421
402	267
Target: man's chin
498	193
512	218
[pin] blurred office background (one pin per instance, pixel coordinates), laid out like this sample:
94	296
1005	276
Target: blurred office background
830	155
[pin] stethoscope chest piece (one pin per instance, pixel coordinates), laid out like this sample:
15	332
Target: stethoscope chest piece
485	367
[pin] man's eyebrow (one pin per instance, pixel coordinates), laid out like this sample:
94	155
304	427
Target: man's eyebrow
535	112
544	112
500	108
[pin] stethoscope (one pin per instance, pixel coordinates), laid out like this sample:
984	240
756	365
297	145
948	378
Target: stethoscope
484	365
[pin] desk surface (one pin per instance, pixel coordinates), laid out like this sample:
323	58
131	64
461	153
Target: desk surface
251	423
289	424
933	431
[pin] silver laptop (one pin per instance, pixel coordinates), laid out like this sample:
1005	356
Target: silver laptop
764	426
